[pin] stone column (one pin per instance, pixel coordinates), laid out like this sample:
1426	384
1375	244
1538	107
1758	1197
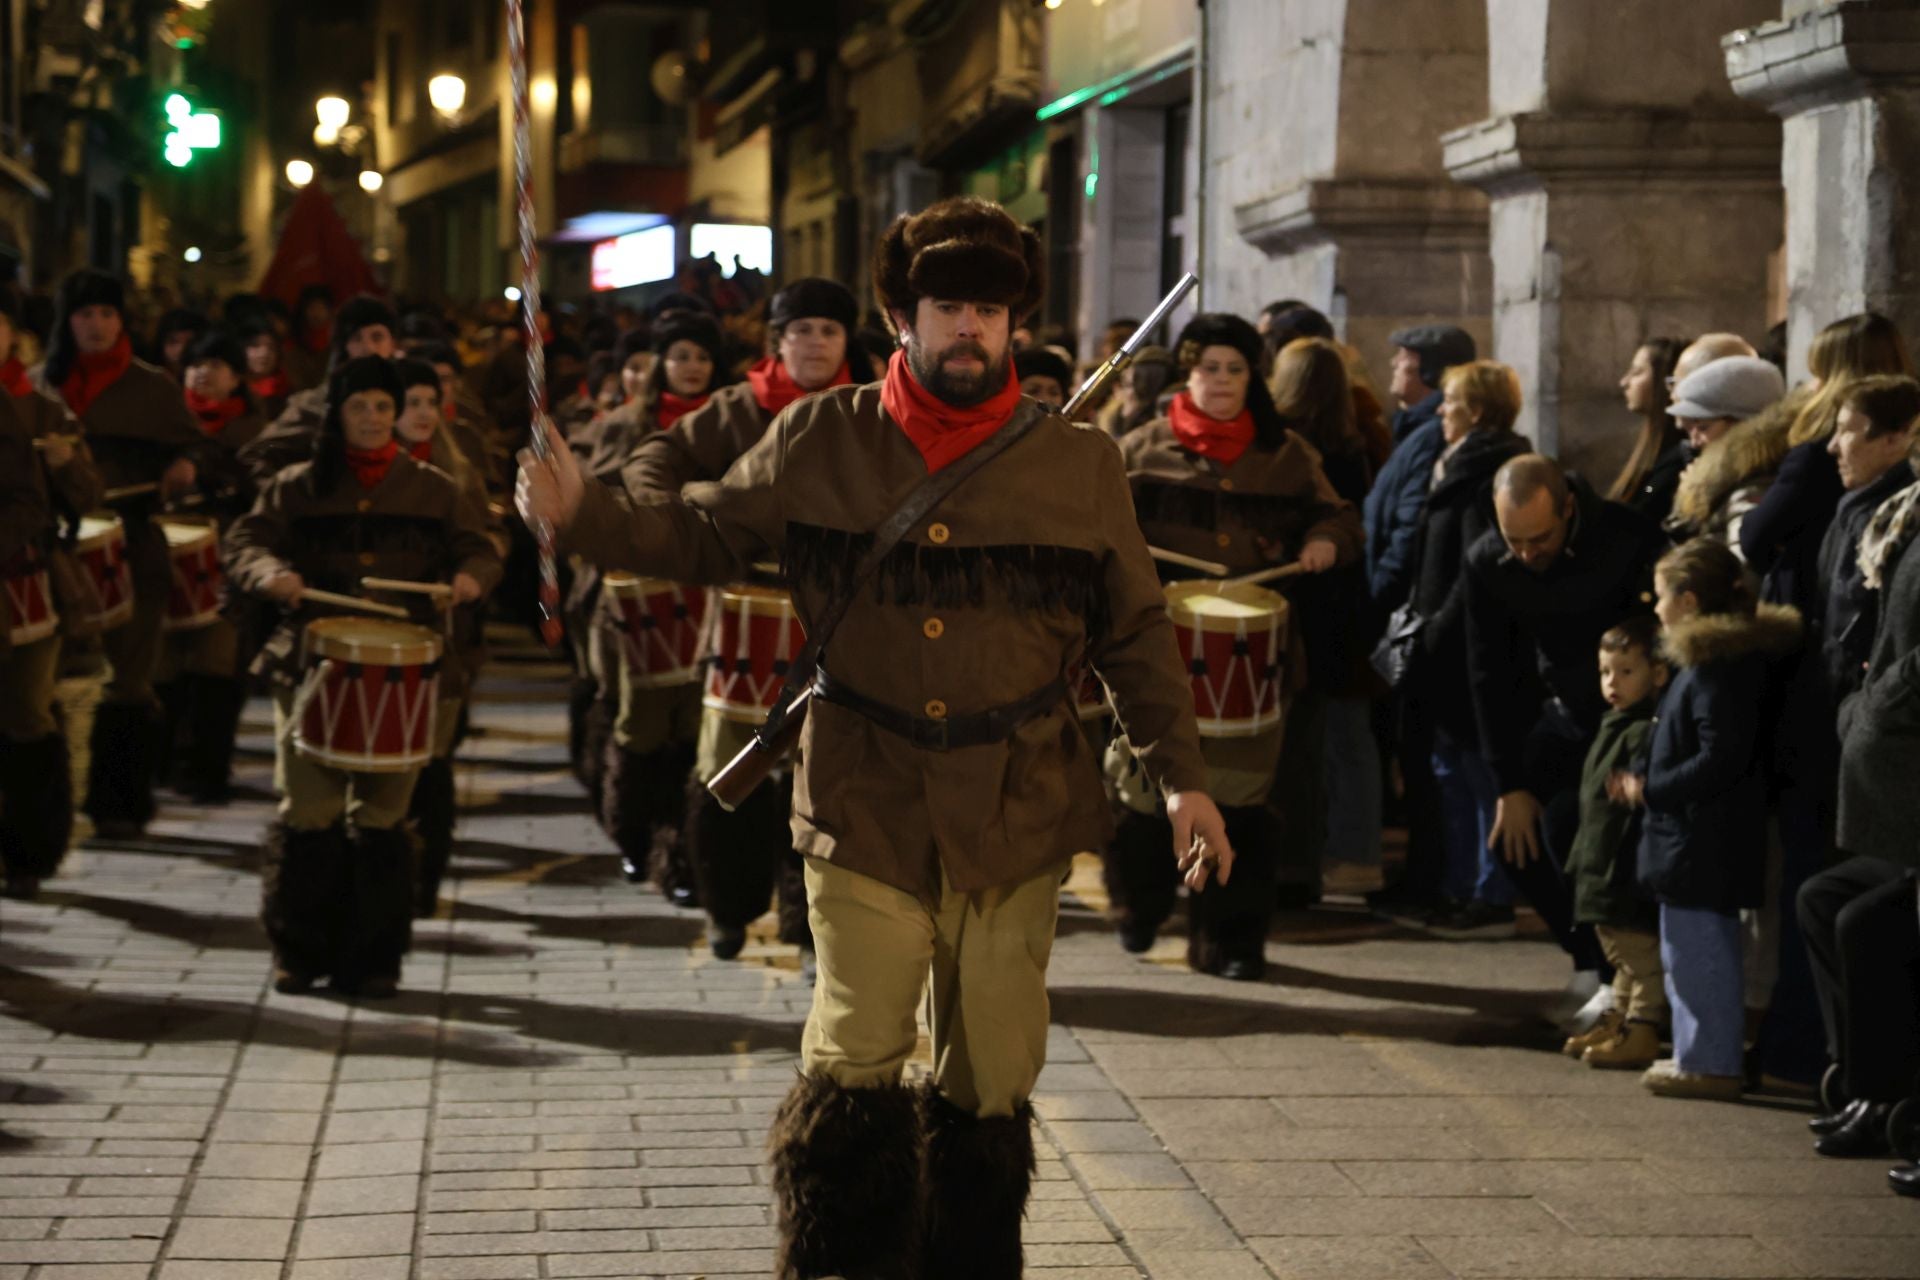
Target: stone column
1845	78
1630	197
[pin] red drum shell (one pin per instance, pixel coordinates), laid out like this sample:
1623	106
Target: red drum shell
757	635
193	551
29	601
659	625
368	701
1236	654
102	549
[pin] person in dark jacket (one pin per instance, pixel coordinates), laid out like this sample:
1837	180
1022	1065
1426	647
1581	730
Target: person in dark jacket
1651	474
1704	835
1870	445
1421	355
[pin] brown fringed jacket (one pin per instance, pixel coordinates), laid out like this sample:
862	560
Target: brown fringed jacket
1028	564
701	446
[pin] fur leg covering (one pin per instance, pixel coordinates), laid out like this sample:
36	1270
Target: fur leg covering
846	1169
668	864
979	1173
36	807
736	855
790	902
304	892
120	772
1142	879
630	806
1229	922
596	739
381	920
213	721
432	813
582	693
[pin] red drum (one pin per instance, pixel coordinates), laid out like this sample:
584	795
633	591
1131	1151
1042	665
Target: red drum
29	594
194	551
367	703
659	628
1089	695
102	548
1235	642
757	636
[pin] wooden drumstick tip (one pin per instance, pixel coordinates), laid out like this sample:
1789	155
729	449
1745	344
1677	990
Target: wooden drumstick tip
1190	562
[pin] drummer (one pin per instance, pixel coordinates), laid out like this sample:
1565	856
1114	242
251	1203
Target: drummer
740	858
337	883
41	500
1221	479
142	437
364	327
646	762
202	674
423	432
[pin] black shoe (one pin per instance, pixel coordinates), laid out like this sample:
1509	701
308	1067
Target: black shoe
683	897
1905	1181
635	872
21	888
1864	1134
1250	970
1137	938
1474	921
1416	914
727	941
1296	897
1821	1126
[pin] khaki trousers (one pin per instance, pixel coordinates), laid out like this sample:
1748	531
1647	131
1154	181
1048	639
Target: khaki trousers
133	650
1639	979
313	796
212	650
26	690
649	719
980	957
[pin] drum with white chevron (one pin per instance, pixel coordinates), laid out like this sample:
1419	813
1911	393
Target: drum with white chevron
757	634
193	551
366	703
1234	641
102	549
659	626
29	599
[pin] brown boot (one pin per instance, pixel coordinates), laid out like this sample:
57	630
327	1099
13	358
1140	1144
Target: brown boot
1604	1030
1635	1046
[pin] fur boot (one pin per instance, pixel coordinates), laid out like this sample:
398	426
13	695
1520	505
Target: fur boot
213	721
979	1172
1141	877
596	739
304	888
790	902
668	865
120	772
736	855
432	813
582	693
36	811
1228	923
634	803
846	1167
381	929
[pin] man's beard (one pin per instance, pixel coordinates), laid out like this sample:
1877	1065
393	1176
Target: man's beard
961	390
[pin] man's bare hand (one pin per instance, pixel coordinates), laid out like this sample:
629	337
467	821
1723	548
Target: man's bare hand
1319	555
178	478
549	489
286	588
466	588
1200	846
1516	828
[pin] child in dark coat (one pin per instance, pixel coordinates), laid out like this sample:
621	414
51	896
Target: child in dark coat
1606	892
1703	839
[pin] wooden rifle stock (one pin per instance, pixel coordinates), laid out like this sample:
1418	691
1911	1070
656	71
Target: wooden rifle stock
739	777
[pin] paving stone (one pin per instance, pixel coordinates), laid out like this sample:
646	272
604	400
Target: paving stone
357	1236
333	1197
1349	1258
264	1238
243	1198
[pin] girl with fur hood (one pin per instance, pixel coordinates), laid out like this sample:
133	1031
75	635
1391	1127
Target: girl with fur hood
1703	839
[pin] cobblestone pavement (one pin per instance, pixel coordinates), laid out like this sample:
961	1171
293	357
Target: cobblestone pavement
570	1086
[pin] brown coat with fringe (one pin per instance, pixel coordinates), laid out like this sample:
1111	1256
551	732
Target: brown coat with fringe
1733	473
1027	565
700	446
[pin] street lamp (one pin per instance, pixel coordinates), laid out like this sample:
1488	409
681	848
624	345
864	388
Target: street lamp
447	93
325	135
371	180
299	172
192	254
332	112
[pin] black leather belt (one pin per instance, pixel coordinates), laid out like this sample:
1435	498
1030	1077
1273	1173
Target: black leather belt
947	733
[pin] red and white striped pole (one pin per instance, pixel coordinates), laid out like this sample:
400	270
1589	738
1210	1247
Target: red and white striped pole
530	307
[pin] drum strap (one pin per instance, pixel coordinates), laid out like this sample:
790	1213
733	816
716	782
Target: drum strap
892	531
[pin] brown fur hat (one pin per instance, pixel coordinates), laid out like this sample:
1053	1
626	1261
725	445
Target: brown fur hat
963	249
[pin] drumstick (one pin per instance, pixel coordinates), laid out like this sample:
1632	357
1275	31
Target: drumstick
1266	575
1190	562
353	602
47	442
767	567
132	490
400	584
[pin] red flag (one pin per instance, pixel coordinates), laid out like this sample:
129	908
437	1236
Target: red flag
316	248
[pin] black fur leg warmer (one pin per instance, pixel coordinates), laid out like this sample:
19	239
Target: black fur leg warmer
120	771
979	1173
1141	876
846	1169
304	891
36	807
735	856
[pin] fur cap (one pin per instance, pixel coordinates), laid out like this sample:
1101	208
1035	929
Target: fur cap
964	249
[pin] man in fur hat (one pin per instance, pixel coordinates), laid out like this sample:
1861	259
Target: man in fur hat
943	784
364	327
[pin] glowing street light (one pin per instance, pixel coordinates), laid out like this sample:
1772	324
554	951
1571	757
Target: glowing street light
299	172
192	254
513	293
325	135
447	93
371	180
332	112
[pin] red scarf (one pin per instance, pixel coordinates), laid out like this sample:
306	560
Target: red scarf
447	410
422	452
672	408
370	465
316	341
275	386
1223	441
774	388
214	415
13	376
92	374
942	432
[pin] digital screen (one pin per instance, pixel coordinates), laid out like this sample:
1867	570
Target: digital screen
640	257
727	240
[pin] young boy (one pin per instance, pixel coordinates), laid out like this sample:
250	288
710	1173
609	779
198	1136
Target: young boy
1601	862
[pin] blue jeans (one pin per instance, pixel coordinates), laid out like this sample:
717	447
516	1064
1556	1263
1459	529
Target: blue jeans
1353	784
1469	794
1701	951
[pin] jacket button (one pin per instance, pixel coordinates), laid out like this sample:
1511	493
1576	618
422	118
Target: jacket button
1227	485
938	533
366	558
1223	540
366	504
936	710
933	628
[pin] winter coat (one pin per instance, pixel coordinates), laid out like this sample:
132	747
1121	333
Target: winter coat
1733	474
1459	512
25	515
1602	862
289	439
1879	814
1410	419
1392	516
1534	636
1703	839
1849	613
1654	498
701	446
1780	537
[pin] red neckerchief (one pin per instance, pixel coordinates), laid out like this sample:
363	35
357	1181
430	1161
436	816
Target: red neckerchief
275	386
774	388
92	374
1223	441
672	408
214	415
422	452
316	341
447	410
13	376
943	433
370	465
